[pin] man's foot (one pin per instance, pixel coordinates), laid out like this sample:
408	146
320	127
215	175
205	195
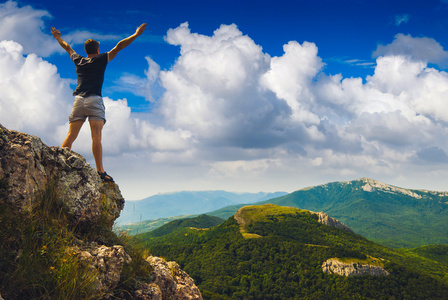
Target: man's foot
104	177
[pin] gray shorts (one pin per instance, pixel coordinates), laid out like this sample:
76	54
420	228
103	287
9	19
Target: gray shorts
90	106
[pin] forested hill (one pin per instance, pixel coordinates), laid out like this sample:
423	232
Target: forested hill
199	222
393	216
273	252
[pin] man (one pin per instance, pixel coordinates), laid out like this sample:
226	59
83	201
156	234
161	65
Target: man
88	98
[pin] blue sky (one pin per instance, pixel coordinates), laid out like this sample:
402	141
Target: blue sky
241	95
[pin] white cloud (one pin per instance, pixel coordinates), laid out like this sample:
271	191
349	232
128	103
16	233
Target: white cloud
283	114
227	92
25	25
422	49
290	78
33	97
213	89
418	91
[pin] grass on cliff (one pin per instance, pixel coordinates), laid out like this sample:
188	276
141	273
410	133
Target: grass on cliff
37	255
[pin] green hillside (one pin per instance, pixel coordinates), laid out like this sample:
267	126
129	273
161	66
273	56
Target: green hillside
388	215
199	222
272	252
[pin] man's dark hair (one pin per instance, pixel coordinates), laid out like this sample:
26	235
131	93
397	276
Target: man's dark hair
91	46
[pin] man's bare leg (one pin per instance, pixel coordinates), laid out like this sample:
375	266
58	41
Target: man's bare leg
96	128
72	134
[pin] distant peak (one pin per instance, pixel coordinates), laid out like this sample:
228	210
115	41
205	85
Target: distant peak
371	185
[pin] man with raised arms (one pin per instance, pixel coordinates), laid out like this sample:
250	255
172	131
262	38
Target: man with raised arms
88	98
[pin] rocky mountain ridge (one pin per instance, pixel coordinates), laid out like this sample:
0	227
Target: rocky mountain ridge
371	185
27	165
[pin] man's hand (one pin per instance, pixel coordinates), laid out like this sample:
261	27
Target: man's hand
126	42
57	35
140	29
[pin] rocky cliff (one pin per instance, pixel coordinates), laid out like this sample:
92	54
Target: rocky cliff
336	266
88	205
327	220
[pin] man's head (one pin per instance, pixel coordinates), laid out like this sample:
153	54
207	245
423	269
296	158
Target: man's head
91	46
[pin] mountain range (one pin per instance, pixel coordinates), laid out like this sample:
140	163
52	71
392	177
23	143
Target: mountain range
389	215
185	203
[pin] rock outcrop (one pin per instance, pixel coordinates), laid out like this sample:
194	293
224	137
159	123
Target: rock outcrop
173	282
327	220
27	165
108	262
335	266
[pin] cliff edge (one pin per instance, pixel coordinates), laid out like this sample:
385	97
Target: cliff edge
71	232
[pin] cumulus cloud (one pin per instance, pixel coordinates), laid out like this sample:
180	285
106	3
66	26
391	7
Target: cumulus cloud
227	92
25	25
33	97
290	77
213	90
422	49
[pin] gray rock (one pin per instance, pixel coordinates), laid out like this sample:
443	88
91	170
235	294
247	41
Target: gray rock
173	282
27	165
327	220
335	266
106	262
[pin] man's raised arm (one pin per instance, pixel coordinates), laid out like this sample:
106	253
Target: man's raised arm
57	35
126	42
